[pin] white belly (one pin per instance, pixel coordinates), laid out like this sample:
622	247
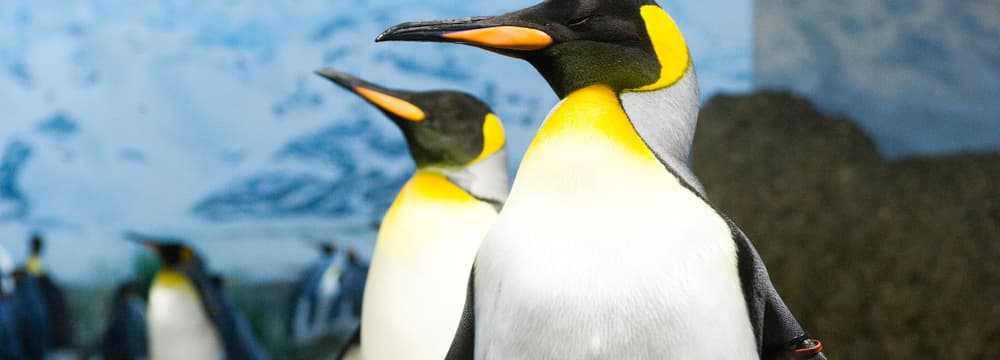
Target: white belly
599	254
417	283
179	328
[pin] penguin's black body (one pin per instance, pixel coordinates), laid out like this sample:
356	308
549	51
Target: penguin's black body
607	177
56	309
125	335
352	285
181	268
10	343
31	316
314	301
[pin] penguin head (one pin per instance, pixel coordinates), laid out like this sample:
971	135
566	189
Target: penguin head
626	45
327	249
443	129
34	264
36	244
173	254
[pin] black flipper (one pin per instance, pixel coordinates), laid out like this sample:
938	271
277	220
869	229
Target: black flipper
353	341
779	335
463	347
59	318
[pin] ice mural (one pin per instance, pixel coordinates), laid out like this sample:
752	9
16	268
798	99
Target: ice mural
203	119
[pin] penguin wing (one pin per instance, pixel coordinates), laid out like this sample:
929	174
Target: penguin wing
463	346
55	301
351	345
779	335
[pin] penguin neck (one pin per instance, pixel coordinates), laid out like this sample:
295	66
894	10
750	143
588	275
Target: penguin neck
486	179
34	265
666	119
651	126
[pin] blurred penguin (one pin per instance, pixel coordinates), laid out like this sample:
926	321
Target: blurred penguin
315	298
189	315
10	344
125	336
56	310
31	316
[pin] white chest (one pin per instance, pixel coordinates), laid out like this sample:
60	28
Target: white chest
179	328
418	278
602	254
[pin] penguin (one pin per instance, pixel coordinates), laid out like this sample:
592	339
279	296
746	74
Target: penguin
125	336
10	343
57	310
606	177
189	315
352	285
414	293
351	300
314	302
31	316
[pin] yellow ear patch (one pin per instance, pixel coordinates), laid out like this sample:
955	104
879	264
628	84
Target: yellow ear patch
669	44
493	137
392	104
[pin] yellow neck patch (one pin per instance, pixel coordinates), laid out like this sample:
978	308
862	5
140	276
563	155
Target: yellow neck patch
173	280
595	110
425	202
433	187
669	44
493	137
34	265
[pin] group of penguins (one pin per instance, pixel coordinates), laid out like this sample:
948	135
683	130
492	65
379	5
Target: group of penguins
183	296
604	245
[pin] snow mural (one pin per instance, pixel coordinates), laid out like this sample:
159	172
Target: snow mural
203	120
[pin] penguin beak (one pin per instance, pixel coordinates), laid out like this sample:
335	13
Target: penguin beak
509	32
144	241
389	101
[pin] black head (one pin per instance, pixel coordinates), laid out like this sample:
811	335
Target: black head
327	249
444	129
36	244
627	45
175	254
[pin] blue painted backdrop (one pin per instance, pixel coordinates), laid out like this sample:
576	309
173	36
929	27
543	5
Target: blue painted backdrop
202	119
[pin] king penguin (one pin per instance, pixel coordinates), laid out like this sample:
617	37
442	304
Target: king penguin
314	302
414	294
10	343
188	315
606	178
124	338
57	311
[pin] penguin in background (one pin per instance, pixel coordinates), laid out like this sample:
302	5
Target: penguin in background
124	338
606	178
417	279
315	297
189	316
31	316
10	343
60	325
351	300
352	284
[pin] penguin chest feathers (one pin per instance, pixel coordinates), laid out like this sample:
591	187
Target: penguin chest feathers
600	252
179	326
416	286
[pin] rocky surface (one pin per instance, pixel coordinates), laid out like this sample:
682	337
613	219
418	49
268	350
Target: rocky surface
881	259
